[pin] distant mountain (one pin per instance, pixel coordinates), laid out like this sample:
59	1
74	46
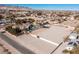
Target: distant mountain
15	7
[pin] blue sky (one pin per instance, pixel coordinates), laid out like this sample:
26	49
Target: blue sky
48	6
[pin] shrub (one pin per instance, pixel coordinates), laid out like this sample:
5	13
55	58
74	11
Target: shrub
14	31
65	51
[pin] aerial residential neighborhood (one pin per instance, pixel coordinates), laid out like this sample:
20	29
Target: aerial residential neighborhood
24	30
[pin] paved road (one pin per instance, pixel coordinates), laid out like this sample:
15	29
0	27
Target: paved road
16	45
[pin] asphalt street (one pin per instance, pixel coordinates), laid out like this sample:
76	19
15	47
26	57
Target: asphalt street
16	45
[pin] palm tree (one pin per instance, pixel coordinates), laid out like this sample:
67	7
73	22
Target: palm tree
73	47
74	42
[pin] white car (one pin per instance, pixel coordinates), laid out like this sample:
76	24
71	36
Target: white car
46	26
2	30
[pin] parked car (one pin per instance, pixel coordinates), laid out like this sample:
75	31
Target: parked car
46	26
2	31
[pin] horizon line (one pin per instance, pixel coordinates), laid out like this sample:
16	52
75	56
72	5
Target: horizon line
71	7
